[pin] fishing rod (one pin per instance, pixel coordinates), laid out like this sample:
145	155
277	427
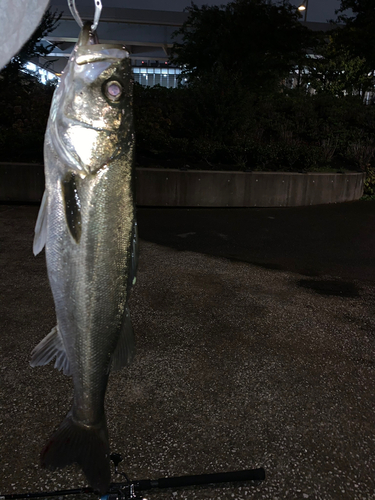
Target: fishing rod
131	489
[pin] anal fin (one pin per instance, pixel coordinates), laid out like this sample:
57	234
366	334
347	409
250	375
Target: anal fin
51	347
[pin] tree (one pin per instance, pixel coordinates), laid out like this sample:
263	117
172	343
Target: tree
255	40
336	70
345	57
358	32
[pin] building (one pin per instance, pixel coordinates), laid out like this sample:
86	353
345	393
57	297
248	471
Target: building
147	34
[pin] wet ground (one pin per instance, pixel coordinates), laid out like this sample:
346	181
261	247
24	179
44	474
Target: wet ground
336	239
255	348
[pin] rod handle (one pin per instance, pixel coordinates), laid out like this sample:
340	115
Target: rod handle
220	477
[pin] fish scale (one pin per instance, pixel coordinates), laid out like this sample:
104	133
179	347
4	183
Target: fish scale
87	224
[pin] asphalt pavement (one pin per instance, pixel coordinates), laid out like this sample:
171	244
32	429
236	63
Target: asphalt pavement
255	348
337	239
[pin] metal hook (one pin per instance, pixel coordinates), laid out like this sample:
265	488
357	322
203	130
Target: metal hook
74	11
98	11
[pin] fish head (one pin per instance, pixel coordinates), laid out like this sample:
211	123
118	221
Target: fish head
92	114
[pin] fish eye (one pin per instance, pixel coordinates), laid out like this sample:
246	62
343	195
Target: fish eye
113	90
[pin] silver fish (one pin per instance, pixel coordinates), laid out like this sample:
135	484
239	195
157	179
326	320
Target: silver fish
87	224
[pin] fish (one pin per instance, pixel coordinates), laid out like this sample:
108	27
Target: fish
87	224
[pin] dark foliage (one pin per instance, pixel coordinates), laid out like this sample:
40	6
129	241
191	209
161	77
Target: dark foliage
255	41
358	33
336	70
208	128
23	118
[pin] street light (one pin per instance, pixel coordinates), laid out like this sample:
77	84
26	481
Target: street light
304	7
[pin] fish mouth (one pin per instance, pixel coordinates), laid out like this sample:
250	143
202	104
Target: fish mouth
100	52
89	50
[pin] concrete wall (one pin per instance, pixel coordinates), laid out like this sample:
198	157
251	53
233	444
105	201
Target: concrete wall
164	187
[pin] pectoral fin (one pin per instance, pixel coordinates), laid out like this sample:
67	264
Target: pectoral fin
51	347
72	203
41	226
125	348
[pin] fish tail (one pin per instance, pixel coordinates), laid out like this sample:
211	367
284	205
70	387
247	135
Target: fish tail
86	445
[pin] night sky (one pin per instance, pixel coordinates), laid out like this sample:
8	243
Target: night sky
319	10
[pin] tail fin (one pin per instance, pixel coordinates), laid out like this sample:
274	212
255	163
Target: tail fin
87	446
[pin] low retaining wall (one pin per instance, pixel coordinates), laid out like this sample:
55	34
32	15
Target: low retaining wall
24	182
197	188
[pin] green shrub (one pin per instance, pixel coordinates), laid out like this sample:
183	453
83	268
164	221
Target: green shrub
217	125
225	126
361	152
369	187
24	110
